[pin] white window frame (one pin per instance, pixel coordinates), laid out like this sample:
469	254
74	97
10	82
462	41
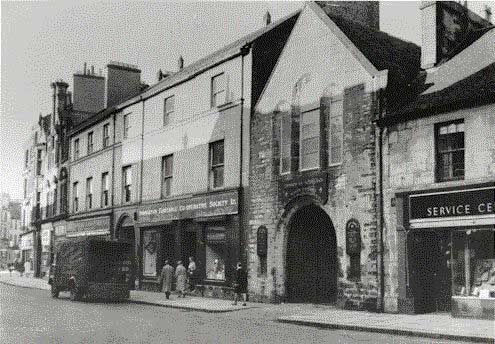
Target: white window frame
126	125
333	101
168	114
213	95
301	139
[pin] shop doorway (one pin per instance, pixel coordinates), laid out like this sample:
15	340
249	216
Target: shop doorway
430	274
189	247
311	265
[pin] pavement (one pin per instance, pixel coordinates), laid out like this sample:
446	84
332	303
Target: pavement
436	325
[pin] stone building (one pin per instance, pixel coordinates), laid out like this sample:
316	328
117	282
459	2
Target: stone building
313	233
438	171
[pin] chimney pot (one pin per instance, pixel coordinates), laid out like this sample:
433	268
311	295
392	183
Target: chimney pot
160	75
181	62
92	70
488	13
267	18
85	67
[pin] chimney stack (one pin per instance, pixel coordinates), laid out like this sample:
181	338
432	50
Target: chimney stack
123	82
488	13
92	70
181	62
267	18
89	91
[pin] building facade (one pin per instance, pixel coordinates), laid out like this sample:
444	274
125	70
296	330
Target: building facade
439	179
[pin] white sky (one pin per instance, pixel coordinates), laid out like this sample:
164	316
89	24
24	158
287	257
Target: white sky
45	41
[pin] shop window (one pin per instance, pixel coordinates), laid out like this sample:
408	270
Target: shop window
105	187
216	164
218	90
76	149
336	126
75	197
473	263
90	142
151	241
168	110
126	125
285	142
106	135
127	175
310	140
450	150
89	193
215	253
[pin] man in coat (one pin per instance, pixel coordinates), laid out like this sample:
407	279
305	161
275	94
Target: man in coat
181	276
166	278
240	284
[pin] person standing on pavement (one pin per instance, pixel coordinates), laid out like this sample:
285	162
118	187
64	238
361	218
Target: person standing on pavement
166	278
181	276
240	284
191	271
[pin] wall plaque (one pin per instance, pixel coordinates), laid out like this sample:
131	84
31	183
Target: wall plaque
353	237
314	184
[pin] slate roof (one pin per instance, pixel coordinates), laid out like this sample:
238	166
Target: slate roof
402	59
466	80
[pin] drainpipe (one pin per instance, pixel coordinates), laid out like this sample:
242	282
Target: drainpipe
244	51
379	191
112	206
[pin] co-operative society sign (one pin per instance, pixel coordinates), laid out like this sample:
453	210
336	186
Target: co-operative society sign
199	206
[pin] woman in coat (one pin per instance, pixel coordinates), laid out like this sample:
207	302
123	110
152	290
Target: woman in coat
240	284
166	278
181	276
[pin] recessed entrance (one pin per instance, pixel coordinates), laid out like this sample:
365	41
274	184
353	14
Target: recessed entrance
311	267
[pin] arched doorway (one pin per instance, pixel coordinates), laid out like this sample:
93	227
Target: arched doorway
311	266
125	230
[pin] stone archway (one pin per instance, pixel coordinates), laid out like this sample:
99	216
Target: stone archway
124	230
311	266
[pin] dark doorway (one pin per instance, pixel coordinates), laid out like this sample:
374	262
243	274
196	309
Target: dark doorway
312	267
188	247
168	252
430	275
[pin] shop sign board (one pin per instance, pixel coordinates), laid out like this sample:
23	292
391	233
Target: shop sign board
477	205
199	206
60	230
311	184
93	226
27	241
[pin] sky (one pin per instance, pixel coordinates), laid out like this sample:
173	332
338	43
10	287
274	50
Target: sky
45	41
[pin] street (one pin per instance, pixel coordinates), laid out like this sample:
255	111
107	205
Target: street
32	316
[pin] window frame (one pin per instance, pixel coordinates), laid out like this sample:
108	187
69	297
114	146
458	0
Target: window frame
341	115
212	167
89	194
439	178
90	144
214	94
76	149
106	135
167	115
307	111
104	190
125	125
75	197
126	185
286	116
165	178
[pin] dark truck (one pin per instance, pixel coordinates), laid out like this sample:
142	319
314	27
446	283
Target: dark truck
91	267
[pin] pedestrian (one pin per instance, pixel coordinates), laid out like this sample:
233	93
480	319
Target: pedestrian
166	278
181	276
240	284
191	271
11	268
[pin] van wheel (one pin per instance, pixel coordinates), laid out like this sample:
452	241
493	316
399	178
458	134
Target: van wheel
75	294
54	291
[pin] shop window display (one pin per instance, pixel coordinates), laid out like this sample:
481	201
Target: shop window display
473	259
151	240
215	253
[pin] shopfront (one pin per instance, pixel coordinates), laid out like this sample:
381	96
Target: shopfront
94	226
450	251
27	242
205	227
46	249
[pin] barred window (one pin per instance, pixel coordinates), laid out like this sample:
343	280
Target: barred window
450	150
